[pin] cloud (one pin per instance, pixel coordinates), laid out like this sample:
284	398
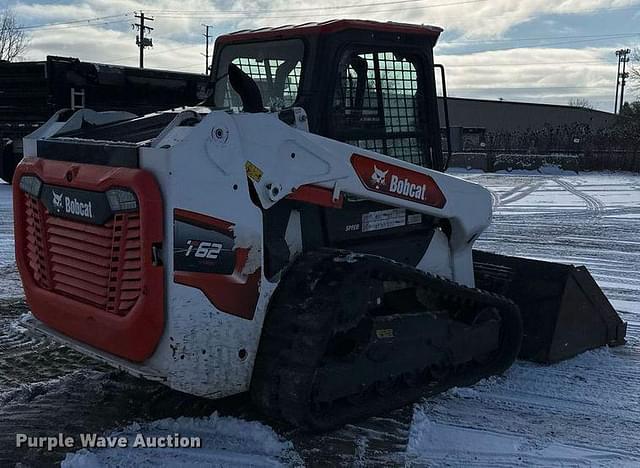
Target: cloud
178	41
471	18
538	74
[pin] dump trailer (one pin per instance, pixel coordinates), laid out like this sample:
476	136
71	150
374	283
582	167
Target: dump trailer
294	236
31	92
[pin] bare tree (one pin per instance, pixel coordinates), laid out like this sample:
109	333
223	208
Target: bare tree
13	39
580	102
634	73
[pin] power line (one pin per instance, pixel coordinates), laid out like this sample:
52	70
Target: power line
444	55
540	38
529	87
64	28
160	52
368	5
546	45
181	14
188	66
62	23
529	64
341	7
263	14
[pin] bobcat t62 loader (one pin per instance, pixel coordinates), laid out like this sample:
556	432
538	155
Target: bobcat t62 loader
307	248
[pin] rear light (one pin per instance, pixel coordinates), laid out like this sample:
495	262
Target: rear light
122	200
31	185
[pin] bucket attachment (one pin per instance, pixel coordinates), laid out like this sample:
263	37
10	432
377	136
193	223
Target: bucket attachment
564	311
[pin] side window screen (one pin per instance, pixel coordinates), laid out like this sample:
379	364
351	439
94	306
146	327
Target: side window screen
376	103
276	68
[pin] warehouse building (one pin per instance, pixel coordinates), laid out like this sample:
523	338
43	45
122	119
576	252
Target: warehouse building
505	116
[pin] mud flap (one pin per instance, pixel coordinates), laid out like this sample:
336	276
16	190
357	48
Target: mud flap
564	311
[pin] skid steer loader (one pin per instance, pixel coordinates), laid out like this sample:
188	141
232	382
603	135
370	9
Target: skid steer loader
294	236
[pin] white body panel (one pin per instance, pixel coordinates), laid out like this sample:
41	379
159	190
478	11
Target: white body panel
202	169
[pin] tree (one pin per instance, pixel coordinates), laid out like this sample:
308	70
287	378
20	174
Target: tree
13	39
580	102
627	126
635	69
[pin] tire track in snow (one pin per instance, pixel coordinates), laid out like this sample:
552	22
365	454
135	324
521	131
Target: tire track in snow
495	199
522	191
595	206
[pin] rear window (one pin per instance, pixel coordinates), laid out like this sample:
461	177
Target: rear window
275	66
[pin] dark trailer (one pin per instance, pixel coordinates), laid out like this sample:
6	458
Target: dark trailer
30	92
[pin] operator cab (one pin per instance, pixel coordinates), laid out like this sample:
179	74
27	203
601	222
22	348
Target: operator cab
366	83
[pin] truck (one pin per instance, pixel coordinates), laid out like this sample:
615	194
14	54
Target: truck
31	92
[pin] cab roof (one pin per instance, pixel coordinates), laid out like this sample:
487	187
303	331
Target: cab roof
327	27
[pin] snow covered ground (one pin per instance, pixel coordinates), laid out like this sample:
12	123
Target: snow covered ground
9	280
220	442
585	411
582	412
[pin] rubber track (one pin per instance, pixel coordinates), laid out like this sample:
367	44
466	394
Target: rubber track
304	313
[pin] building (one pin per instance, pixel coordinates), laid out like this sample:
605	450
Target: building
507	116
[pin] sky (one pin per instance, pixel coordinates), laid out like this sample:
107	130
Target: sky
548	51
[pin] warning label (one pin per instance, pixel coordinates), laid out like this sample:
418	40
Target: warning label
253	172
386	219
414	218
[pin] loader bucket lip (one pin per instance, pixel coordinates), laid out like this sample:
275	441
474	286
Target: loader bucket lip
564	311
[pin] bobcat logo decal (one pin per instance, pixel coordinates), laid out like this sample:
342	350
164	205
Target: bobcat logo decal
57	200
378	177
414	185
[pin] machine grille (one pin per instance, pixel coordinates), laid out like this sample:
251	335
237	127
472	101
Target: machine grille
96	265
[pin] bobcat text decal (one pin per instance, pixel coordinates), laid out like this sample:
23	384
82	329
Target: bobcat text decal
71	205
86	206
382	177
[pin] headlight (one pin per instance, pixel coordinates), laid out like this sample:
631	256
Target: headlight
31	185
122	200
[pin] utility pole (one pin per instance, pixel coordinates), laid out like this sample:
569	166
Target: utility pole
624	76
615	105
141	41
207	66
623	59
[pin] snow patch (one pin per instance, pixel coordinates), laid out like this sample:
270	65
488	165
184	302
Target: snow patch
455	445
547	169
464	392
225	442
348	258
